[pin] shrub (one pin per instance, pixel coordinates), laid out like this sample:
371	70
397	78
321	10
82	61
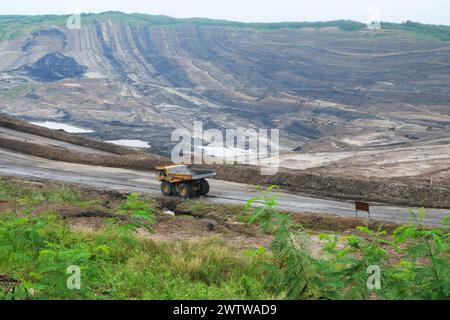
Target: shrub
341	272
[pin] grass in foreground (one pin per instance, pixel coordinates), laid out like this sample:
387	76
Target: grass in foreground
36	251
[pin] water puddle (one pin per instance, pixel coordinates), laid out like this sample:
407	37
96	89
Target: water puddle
62	126
131	143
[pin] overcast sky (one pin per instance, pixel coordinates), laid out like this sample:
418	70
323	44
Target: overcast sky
426	11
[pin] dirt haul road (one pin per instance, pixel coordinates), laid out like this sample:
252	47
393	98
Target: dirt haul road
15	164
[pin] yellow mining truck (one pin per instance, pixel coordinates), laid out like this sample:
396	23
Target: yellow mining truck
184	181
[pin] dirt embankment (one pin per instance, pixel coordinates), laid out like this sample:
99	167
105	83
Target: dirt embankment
130	161
398	192
19	125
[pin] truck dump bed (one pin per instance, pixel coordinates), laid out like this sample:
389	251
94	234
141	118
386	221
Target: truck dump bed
190	173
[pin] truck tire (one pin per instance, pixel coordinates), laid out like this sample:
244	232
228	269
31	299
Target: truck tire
204	187
167	188
186	191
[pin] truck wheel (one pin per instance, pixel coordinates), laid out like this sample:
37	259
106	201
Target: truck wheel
204	187
167	188
186	191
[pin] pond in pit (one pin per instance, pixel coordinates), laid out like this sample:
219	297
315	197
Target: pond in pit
131	143
62	126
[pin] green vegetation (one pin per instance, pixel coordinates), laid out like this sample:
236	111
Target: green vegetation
139	210
421	272
37	248
36	251
438	32
14	26
146	19
29	194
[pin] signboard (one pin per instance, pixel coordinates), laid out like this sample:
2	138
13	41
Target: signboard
362	206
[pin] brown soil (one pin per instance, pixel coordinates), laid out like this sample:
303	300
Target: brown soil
318	222
403	191
167	228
